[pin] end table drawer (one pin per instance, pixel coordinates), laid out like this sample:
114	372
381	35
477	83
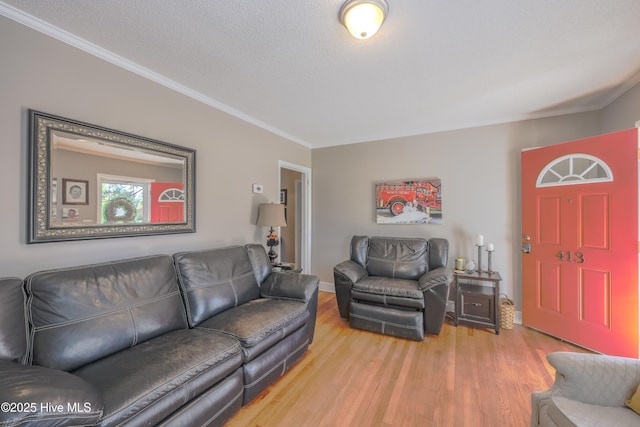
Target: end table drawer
477	306
476	297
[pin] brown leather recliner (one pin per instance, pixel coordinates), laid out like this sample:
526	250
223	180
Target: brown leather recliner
394	286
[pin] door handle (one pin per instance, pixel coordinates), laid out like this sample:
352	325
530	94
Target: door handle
526	248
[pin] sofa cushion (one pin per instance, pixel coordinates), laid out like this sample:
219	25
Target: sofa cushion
82	314
262	371
13	331
144	384
213	407
259	261
260	323
46	397
571	413
401	258
215	280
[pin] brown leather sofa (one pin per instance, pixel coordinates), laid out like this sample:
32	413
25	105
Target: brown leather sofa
394	286
157	340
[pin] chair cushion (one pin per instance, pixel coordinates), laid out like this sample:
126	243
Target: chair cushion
215	280
386	291
571	413
147	383
401	258
82	314
13	333
260	323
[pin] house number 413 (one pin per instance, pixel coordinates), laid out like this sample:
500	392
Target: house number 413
571	256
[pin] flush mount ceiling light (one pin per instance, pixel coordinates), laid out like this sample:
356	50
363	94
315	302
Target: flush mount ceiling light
363	18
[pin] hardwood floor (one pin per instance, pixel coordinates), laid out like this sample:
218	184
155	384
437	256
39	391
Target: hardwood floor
462	377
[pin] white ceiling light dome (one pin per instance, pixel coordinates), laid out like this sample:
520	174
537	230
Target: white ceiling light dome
363	18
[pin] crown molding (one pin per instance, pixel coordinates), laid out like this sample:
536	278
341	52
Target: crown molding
117	60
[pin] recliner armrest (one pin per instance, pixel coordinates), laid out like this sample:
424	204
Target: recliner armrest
437	276
46	397
351	271
345	275
294	286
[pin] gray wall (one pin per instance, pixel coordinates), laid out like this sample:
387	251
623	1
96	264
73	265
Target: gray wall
623	113
480	173
42	73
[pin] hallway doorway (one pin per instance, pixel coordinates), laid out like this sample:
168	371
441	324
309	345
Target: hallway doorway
294	182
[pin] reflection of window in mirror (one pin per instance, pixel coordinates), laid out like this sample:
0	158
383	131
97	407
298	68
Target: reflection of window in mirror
123	199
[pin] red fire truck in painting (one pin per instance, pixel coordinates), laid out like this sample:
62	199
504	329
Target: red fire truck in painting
423	195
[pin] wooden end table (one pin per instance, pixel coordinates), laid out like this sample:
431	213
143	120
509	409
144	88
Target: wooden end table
477	298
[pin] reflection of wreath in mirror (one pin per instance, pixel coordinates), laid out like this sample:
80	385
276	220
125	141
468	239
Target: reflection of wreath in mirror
120	210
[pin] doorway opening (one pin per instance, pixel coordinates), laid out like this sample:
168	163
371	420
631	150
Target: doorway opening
294	182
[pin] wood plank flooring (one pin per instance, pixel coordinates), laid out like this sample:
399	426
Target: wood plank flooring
463	377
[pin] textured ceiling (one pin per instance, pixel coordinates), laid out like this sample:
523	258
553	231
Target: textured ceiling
289	66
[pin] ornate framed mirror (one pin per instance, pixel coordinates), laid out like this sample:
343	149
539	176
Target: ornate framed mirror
90	182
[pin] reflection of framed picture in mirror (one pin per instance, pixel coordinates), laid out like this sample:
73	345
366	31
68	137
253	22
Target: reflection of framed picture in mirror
70	214
76	192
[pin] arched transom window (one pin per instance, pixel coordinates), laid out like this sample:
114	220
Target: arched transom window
574	169
171	195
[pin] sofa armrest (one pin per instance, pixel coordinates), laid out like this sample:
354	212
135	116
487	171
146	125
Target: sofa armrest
294	286
345	275
435	277
36	395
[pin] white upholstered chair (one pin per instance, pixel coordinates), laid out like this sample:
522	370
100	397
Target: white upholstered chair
589	390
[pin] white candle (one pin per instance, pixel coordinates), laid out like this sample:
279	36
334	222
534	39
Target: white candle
480	240
490	247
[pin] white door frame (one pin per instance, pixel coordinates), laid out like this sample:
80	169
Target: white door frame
305	216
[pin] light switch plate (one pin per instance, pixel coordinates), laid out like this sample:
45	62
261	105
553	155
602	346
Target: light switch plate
257	188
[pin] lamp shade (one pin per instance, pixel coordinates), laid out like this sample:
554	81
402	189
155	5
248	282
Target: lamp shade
271	215
363	18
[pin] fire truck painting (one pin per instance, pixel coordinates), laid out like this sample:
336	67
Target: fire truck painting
409	202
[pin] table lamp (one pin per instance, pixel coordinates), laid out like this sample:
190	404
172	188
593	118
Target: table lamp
271	215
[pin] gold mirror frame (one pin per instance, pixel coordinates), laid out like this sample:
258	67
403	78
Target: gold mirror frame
42	208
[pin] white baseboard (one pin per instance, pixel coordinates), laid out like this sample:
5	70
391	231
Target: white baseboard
327	287
330	287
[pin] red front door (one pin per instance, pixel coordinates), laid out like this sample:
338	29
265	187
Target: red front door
580	242
167	202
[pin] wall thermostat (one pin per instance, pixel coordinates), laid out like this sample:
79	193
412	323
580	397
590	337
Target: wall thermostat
257	188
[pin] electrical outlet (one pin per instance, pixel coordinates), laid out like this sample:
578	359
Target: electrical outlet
257	188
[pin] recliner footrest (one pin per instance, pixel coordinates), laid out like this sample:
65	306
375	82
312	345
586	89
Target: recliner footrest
385	320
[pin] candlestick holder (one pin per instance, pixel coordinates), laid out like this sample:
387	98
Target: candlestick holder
489	255
479	268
